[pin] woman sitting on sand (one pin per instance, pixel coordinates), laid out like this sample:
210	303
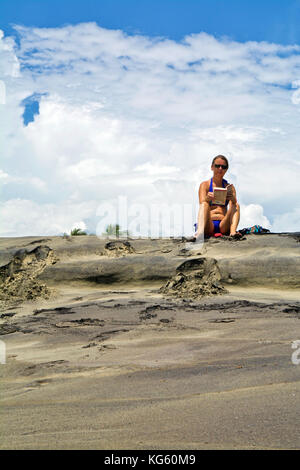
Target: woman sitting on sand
215	218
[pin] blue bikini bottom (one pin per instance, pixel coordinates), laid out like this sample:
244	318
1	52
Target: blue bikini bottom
216	226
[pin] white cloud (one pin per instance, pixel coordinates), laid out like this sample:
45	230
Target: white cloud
156	169
28	218
288	222
253	214
143	117
9	64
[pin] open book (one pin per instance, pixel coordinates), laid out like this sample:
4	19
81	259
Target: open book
220	196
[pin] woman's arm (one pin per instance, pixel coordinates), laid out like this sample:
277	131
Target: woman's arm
204	195
231	193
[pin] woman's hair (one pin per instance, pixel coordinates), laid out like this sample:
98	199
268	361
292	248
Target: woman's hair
223	158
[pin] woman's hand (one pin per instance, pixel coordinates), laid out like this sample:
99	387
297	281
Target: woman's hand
231	193
209	197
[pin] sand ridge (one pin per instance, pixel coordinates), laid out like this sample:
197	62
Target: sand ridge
112	359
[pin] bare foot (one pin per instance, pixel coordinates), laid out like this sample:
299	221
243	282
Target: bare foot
235	235
191	239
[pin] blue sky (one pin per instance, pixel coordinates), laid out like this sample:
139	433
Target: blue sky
102	99
242	20
269	20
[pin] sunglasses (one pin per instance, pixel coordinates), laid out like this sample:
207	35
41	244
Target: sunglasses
224	167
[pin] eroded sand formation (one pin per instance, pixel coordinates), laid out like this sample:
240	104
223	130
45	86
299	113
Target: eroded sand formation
38	267
18	278
150	344
195	278
118	248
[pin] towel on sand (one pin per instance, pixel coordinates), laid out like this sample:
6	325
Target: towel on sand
257	229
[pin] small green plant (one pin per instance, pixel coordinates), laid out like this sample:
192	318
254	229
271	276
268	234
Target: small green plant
115	230
77	231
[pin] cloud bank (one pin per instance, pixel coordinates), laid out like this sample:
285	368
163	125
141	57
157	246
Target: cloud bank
142	118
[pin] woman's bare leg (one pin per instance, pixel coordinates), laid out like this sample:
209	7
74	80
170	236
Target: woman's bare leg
235	220
231	220
204	222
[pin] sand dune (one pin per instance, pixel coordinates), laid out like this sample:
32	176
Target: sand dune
150	344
